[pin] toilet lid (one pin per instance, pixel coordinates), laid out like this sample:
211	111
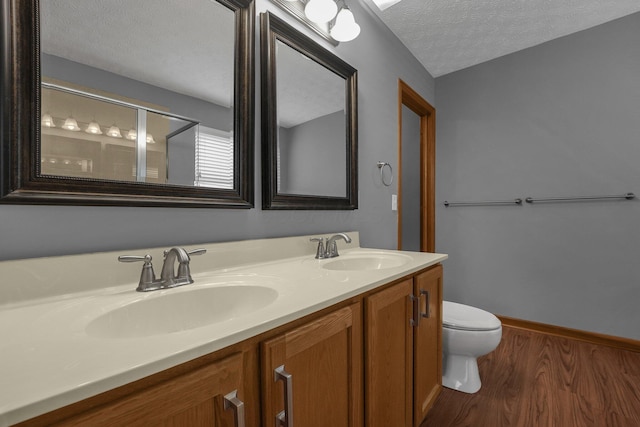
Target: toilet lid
460	316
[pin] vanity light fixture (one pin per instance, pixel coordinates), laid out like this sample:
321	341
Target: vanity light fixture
47	121
344	27
321	11
132	134
93	128
333	22
71	124
114	132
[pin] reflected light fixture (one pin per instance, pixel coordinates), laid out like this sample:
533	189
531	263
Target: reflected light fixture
114	131
150	139
93	128
71	124
321	11
132	134
47	121
344	27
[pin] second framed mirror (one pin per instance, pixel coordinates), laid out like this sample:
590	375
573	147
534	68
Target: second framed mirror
309	123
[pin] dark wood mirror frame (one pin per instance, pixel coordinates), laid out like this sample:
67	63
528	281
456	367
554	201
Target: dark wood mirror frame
20	115
273	29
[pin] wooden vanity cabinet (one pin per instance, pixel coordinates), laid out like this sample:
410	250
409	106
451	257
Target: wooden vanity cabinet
312	375
195	398
403	350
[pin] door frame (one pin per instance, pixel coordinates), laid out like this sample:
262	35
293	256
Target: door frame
427	113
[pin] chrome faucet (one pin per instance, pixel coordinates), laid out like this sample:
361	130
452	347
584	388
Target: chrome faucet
330	248
168	277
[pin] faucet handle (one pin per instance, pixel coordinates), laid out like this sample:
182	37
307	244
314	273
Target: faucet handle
148	276
200	251
135	258
320	254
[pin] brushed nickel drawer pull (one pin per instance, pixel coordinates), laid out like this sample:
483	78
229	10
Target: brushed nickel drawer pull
285	417
232	402
427	312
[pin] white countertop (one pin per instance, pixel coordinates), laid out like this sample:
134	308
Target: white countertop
48	360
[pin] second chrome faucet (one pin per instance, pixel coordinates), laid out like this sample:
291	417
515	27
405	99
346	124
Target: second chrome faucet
328	248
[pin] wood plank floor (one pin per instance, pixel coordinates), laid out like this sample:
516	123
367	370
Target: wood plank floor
537	380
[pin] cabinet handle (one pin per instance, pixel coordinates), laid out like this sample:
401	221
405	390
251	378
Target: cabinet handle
232	402
285	417
415	315
427	313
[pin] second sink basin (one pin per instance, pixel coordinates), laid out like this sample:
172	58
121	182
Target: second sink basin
367	261
179	311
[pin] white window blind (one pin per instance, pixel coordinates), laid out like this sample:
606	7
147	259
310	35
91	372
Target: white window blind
214	158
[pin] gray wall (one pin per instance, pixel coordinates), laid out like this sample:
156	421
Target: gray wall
313	157
33	231
559	119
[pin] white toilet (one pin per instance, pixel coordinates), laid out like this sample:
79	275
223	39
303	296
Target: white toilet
467	333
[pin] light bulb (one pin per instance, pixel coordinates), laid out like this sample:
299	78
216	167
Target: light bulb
47	121
132	134
93	128
345	28
114	132
321	11
71	124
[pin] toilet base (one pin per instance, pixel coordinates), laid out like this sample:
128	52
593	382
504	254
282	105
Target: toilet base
461	373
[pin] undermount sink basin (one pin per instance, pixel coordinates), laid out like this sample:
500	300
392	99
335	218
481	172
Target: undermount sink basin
180	310
367	261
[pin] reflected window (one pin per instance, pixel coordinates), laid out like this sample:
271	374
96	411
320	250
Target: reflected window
214	158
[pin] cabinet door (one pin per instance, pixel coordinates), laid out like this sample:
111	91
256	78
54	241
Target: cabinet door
389	352
427	342
194	399
323	360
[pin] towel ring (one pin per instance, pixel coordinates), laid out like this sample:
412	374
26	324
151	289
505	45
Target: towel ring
381	166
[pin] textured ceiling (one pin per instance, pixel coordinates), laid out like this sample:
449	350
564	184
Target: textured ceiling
448	35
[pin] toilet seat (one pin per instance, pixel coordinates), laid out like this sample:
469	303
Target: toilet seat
467	318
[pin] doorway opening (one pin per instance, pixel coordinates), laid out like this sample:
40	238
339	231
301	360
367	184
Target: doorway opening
416	171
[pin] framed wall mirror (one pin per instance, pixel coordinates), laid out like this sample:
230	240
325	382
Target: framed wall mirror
113	102
309	122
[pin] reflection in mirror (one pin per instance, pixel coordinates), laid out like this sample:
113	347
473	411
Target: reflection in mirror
156	95
127	44
309	123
